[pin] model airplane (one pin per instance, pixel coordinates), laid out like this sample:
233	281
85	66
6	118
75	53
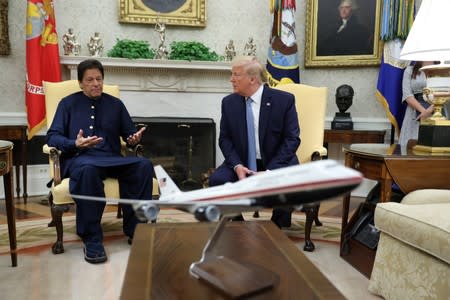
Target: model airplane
291	186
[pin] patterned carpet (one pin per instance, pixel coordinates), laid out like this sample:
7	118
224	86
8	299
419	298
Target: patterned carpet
32	219
39	274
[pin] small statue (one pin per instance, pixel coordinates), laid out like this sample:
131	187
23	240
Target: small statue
230	52
161	52
95	45
344	99
71	45
161	29
250	48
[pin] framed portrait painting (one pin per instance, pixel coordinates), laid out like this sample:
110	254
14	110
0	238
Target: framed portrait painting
343	33
169	12
5	46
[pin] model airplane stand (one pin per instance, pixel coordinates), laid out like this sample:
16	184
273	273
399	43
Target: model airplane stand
235	279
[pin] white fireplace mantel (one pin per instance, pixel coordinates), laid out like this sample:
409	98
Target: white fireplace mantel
165	88
159	75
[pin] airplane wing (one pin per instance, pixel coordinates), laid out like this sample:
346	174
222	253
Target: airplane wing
291	186
237	202
148	210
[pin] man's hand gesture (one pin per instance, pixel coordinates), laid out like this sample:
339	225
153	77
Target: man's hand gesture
135	138
88	142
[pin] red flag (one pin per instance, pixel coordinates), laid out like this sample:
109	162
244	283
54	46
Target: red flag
42	60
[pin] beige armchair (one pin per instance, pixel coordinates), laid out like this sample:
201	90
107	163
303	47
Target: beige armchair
59	198
413	254
311	105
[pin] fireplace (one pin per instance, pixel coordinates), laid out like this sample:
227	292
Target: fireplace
183	90
185	147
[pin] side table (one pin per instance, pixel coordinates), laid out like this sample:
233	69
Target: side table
18	133
6	162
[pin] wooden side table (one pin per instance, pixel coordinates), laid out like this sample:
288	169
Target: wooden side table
18	133
6	162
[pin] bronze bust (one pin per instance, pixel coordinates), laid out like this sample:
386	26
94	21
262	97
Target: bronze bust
344	99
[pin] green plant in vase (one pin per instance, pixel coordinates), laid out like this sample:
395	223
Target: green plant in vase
192	51
131	49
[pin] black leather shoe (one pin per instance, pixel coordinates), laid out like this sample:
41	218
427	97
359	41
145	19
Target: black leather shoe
281	217
130	241
94	252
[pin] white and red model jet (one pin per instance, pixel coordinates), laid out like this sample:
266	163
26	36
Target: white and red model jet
291	186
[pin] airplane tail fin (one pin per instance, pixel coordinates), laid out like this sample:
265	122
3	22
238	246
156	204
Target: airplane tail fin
166	184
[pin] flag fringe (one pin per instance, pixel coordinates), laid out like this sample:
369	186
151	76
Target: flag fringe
35	130
390	116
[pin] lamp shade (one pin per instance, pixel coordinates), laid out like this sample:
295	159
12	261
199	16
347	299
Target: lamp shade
428	39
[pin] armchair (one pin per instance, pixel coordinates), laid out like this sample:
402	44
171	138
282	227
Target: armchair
413	254
311	106
59	198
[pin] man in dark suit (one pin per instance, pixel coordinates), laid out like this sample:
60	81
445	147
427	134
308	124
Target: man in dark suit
87	128
347	36
273	122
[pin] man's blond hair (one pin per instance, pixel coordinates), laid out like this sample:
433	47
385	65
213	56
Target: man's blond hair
252	67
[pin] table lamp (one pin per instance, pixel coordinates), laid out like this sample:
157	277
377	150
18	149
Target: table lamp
428	41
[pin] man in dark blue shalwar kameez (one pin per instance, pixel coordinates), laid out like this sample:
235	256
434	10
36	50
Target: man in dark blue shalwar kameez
87	128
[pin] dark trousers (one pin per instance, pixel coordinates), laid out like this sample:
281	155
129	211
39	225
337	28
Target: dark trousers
135	182
280	216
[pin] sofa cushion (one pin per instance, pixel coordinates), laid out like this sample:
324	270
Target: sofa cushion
426	226
427	196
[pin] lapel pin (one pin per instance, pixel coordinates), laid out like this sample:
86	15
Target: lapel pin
268	104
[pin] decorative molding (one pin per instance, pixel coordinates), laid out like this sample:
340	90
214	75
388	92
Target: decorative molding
160	75
13	118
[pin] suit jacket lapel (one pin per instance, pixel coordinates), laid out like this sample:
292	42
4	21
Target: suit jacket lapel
264	114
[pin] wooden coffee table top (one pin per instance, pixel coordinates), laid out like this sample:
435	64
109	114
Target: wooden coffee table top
158	266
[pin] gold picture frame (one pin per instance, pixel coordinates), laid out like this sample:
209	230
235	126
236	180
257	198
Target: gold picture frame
323	46
5	46
169	12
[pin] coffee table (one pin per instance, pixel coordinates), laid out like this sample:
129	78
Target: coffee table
158	265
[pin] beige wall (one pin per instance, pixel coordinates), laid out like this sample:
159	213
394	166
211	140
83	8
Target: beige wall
230	19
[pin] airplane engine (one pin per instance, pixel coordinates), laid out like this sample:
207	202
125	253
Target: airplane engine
145	211
209	213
